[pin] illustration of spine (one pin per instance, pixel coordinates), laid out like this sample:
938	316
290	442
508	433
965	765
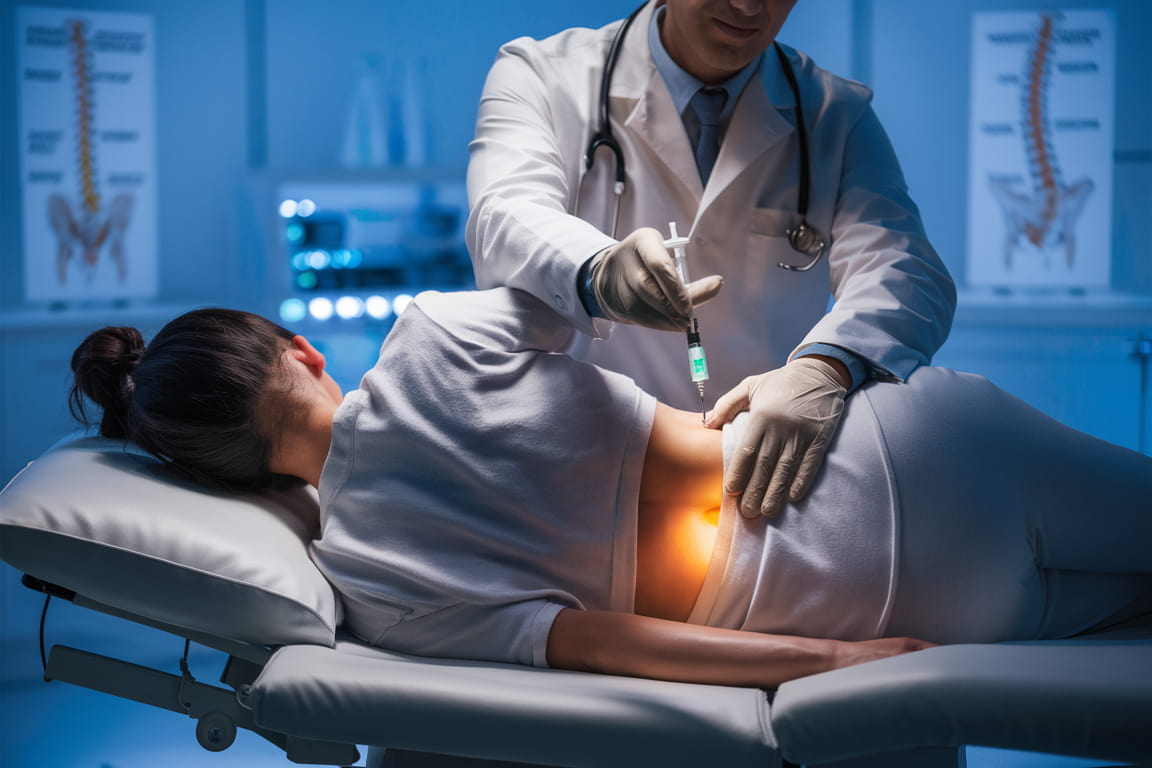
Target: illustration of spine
89	227
81	69
1046	217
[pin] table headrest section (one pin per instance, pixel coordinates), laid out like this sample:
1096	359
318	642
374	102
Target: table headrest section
105	520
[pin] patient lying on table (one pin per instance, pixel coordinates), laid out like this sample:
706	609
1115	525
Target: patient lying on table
485	496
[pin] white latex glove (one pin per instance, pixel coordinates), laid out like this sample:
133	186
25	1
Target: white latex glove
635	281
793	414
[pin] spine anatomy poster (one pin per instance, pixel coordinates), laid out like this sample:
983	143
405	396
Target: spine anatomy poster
1040	184
87	154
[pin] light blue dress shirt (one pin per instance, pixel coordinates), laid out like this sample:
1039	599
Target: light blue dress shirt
682	87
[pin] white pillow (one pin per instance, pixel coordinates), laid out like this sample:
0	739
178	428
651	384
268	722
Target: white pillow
101	518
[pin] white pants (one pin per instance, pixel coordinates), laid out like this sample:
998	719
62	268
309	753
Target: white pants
1012	526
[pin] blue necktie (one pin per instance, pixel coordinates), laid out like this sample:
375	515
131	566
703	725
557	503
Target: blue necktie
708	103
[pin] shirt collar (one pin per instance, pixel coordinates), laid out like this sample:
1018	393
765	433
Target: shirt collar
683	86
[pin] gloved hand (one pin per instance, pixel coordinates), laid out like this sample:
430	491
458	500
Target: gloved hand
635	281
793	414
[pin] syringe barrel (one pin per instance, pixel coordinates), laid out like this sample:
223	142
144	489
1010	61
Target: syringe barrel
697	362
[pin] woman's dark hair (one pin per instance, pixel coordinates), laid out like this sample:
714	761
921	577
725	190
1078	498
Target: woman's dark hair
190	397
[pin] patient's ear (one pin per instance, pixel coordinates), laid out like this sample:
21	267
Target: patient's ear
307	354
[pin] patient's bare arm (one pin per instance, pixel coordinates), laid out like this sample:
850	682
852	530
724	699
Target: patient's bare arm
642	646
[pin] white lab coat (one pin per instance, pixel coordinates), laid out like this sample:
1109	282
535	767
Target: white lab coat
894	299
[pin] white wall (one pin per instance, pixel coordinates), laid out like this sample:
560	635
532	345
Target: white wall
314	54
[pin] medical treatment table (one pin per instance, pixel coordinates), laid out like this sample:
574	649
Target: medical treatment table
98	523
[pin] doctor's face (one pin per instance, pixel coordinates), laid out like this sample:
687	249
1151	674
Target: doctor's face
714	39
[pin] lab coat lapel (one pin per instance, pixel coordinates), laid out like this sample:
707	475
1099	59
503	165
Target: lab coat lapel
641	102
656	123
756	126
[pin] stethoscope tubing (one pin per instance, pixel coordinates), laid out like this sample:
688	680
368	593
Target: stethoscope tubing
803	238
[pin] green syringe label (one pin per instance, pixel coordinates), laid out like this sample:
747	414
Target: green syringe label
698	363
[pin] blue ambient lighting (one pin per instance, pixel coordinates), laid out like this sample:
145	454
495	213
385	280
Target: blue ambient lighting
377	307
292	310
320	308
349	307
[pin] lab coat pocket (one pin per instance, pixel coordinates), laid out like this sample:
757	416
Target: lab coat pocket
780	291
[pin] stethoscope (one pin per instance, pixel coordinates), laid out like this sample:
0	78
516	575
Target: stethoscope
803	238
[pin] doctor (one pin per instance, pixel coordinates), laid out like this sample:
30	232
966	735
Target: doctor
589	143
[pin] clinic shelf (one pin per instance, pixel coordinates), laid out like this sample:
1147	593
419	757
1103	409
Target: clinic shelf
90	316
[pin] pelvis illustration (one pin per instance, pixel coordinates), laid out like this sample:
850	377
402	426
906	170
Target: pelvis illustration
91	232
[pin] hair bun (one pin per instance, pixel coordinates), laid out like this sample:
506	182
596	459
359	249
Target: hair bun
102	368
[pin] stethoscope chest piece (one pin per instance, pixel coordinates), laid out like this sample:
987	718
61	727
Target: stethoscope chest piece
804	239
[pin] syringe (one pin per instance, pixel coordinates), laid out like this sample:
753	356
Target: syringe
697	362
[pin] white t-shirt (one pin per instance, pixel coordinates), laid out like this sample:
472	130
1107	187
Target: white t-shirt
463	503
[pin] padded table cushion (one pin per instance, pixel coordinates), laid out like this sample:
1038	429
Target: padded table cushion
101	518
1090	697
370	696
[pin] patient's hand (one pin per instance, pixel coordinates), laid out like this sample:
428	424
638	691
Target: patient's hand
852	653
